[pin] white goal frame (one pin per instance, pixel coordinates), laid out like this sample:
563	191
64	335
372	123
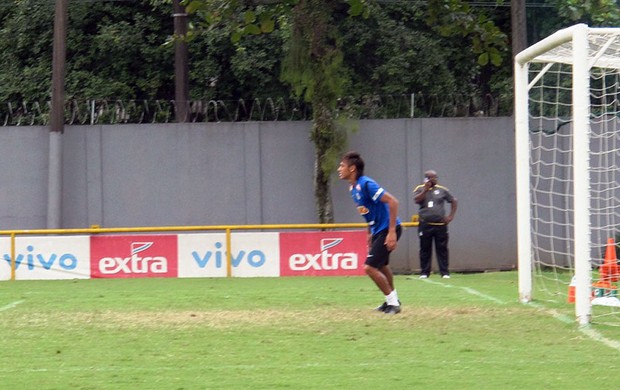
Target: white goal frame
581	62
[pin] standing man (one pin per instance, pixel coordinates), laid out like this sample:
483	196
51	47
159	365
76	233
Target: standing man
380	209
434	223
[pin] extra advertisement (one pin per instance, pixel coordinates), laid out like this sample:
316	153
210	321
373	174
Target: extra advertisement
323	253
145	256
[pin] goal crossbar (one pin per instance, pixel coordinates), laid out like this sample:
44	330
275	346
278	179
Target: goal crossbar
536	52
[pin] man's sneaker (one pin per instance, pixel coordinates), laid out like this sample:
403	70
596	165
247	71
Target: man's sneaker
392	309
382	308
446	276
423	276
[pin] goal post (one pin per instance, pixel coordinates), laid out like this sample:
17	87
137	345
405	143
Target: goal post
567	112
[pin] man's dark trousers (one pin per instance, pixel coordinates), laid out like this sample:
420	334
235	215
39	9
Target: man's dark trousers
429	233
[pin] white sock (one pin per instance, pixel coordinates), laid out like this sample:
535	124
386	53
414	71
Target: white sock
392	298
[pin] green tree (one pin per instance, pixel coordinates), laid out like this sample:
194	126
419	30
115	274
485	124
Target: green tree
396	51
114	51
26	44
313	66
247	69
595	13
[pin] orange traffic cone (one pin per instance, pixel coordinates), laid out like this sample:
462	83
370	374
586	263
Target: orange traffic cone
571	291
609	269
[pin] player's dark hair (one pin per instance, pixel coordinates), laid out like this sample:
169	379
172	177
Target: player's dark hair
354	158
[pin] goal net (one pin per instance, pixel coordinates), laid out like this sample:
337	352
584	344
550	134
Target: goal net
567	117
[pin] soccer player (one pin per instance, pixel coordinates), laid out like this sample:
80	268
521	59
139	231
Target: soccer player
380	210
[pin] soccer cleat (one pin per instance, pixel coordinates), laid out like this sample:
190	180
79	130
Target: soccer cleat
446	276
382	307
390	309
423	276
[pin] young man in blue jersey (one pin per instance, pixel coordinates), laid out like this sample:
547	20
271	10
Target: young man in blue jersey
380	209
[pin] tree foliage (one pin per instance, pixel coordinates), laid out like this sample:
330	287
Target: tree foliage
313	65
595	13
456	17
113	51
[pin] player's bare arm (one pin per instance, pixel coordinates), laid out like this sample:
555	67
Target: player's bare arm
392	202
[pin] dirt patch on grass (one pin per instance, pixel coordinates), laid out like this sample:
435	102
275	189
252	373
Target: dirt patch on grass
267	318
224	319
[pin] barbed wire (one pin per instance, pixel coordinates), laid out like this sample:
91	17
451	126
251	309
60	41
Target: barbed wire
97	111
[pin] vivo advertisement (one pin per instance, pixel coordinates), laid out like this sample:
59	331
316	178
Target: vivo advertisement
252	254
185	255
38	258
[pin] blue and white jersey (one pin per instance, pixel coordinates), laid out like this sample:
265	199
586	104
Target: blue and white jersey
366	194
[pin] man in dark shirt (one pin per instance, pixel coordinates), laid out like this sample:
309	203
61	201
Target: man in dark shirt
434	223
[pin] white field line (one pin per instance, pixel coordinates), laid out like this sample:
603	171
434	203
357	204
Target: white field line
10	305
586	330
470	291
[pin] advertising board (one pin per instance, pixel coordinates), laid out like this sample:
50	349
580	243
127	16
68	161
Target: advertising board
133	256
336	253
252	254
49	257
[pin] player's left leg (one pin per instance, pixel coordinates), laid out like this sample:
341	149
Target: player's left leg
377	268
379	278
386	270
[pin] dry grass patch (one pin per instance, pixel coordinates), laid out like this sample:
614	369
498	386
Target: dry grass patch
225	319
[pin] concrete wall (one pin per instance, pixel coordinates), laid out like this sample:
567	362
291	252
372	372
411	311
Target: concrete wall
261	173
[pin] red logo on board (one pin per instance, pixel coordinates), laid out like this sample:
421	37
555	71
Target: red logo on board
323	253
152	256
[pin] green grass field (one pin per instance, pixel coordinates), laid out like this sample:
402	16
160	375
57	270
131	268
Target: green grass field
468	332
